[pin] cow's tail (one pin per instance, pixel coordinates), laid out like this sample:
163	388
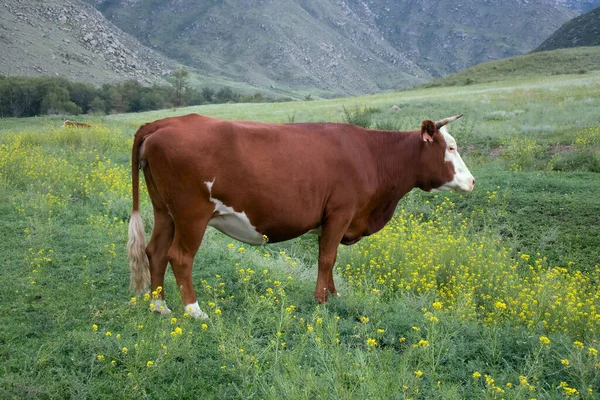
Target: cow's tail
136	245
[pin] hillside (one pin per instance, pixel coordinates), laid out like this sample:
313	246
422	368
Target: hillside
580	5
349	47
557	62
581	31
70	38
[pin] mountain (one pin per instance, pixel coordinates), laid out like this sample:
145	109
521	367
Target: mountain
72	39
581	6
583	30
338	46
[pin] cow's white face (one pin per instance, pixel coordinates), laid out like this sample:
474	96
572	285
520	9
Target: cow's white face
463	180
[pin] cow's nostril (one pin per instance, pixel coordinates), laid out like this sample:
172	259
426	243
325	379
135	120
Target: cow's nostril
473	181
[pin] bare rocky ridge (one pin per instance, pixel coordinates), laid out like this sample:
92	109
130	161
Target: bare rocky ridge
579	5
334	46
71	38
339	46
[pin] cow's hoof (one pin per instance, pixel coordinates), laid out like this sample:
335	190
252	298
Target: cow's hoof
321	299
194	311
160	307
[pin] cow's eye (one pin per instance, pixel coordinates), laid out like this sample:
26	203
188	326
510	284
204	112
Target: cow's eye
452	148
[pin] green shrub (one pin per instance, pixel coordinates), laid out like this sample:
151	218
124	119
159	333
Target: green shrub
360	116
522	154
579	160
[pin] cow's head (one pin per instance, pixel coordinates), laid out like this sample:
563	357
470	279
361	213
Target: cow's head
441	167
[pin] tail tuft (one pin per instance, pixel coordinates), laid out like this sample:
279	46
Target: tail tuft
136	250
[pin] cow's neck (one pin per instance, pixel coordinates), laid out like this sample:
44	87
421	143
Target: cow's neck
396	156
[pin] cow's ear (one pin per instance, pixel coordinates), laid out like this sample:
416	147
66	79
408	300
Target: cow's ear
427	130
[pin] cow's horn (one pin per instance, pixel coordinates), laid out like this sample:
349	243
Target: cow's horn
446	121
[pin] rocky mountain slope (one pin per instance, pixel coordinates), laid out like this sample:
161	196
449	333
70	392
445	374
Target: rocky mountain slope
445	36
579	5
70	38
581	31
342	46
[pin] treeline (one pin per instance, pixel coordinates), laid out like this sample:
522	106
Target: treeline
30	96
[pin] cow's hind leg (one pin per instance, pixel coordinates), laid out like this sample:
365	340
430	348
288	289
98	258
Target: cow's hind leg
189	232
162	237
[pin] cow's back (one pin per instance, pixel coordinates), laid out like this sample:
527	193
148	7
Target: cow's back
281	176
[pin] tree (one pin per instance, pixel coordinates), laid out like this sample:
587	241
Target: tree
97	106
56	101
181	86
132	94
225	94
21	96
82	94
208	94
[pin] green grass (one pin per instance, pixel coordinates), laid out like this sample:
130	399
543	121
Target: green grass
65	201
577	60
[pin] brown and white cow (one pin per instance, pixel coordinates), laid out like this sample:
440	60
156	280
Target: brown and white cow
252	181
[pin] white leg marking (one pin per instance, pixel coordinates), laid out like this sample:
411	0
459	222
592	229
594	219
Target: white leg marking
194	311
160	306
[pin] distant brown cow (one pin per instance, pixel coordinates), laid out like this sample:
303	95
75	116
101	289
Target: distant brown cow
73	124
254	181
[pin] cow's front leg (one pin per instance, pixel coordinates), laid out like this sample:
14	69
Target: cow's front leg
328	246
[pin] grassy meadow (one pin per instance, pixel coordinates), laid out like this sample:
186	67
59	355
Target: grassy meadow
492	294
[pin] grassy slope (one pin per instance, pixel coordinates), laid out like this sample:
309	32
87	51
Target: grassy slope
583	30
48	348
557	62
